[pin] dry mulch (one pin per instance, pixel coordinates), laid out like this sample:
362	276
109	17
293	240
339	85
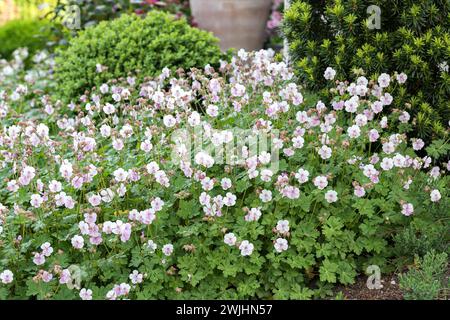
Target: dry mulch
360	291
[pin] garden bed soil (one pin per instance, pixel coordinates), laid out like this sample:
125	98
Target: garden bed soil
360	291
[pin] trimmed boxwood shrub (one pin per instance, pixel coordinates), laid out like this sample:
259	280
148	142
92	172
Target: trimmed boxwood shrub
131	44
414	38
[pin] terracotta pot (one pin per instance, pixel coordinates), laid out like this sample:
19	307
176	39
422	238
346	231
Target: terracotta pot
237	23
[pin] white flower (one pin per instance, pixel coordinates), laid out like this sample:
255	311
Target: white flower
383	80
418	144
94	200
207	184
387	99
238	90
204	159
105	131
86	294
47	249
229	200
401	78
126	131
169	121
109	109
373	135
282	226
384	122
230	239
152	167
66	169
214	86
116	97
42	130
325	152
39	259
329	73
194	119
354	131
435	195
104	88
399	161
265	196
77	242
253	215
6	276
264	157
298	142
121	190
361	120
212	110
388	147
331	196
151	246
167	249
359	191
54	186
321	182
302	175
352	104
225	183
369	170
302	116
12	186
377	107
291	192
243	54
246	248
136	277
36	200
120	175
157	204
281	245
407	209
266	175
404	117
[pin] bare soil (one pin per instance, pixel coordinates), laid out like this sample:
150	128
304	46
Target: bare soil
360	291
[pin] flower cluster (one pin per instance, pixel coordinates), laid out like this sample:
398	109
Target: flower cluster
95	184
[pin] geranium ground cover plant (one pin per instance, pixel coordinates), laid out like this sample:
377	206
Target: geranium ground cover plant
102	199
26	86
38	77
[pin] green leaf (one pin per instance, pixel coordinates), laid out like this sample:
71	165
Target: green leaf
328	271
3	293
188	209
347	272
301	293
438	148
242	185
